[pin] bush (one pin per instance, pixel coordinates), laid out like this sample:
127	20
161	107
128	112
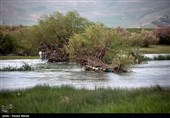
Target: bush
7	43
143	39
163	33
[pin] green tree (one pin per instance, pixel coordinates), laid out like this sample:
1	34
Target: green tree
53	29
8	43
57	28
100	42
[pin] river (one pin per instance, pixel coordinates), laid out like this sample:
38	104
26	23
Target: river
56	74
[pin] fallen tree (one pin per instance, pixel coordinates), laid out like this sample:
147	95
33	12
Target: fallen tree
91	63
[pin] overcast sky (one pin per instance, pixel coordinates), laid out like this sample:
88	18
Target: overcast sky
112	13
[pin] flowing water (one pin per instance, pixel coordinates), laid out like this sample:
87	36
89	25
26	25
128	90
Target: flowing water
56	74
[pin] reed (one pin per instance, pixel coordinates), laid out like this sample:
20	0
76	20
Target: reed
162	57
24	67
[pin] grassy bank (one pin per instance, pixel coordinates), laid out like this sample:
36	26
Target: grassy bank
161	57
44	99
18	57
156	49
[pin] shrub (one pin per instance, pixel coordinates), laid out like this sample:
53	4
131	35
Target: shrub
163	33
143	39
7	42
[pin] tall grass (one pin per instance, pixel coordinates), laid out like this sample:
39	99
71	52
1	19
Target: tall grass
162	57
65	99
142	58
24	67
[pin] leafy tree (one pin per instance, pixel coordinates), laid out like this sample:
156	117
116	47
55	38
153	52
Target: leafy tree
8	43
57	28
25	41
100	42
54	29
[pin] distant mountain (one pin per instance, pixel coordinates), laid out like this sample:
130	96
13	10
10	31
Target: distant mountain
159	16
159	21
162	21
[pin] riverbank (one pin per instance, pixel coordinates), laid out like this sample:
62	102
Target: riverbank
153	49
156	49
18	57
65	99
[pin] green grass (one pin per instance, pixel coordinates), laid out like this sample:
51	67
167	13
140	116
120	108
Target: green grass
138	30
18	57
162	57
65	99
159	57
156	49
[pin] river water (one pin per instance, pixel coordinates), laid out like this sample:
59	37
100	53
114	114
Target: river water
56	74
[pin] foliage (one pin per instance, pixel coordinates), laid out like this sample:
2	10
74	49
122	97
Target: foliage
102	43
54	28
163	33
7	29
8	43
143	39
137	36
66	99
94	40
25	40
122	31
57	28
16	35
123	61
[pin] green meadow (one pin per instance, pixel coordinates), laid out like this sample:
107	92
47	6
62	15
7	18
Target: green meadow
66	99
156	49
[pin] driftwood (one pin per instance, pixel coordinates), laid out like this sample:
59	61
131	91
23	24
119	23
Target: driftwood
91	63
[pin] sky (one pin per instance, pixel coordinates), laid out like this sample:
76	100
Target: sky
112	13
